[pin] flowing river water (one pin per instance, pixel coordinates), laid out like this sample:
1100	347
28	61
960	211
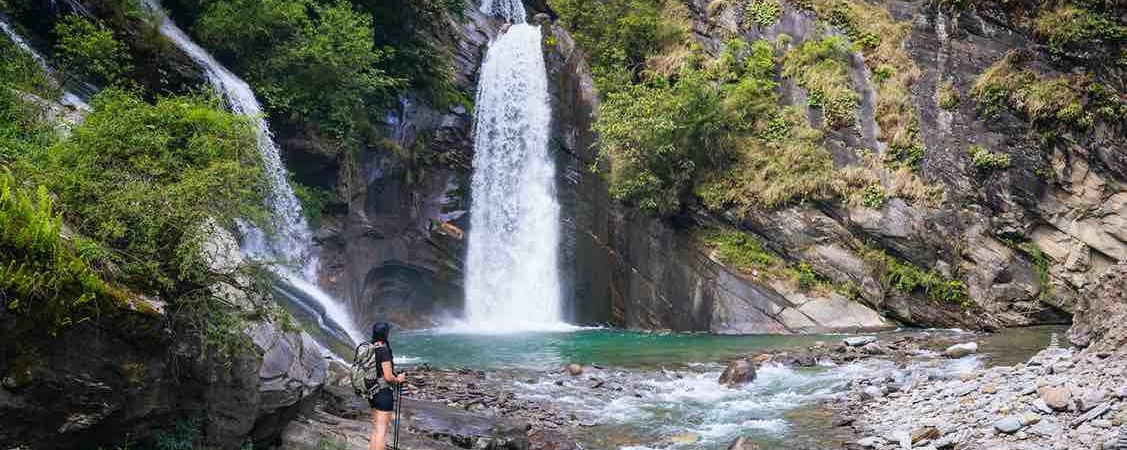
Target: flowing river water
660	390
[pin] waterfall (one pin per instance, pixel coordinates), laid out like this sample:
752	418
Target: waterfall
512	274
68	98
292	242
511	10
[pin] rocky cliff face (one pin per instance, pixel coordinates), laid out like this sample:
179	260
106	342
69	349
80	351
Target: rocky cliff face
126	374
1024	241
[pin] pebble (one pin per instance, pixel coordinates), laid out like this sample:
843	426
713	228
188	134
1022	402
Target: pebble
1008	424
859	341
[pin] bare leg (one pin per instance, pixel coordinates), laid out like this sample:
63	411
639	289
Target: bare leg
380	420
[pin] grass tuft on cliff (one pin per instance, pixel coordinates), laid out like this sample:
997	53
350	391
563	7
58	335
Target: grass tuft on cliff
1049	102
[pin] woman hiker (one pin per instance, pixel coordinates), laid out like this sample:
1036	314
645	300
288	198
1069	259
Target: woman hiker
377	363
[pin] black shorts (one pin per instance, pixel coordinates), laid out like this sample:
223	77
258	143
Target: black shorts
384	400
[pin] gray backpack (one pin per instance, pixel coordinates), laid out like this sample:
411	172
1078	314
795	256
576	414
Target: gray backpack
364	368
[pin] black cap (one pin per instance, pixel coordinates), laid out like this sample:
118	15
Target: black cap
380	330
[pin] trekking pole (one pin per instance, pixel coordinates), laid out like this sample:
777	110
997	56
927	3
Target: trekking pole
398	411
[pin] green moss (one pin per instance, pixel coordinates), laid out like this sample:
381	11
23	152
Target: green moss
986	160
762	12
739	250
908	278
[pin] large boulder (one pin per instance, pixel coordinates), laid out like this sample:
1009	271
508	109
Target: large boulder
1101	313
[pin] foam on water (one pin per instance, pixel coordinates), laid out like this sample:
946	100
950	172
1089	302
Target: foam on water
667	403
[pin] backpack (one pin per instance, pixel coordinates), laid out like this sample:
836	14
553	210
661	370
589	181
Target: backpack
364	368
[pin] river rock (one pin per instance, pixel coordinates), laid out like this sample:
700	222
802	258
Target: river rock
743	443
859	341
1008	424
929	433
1040	405
1090	399
1030	419
961	350
574	370
738	372
1094	413
1056	398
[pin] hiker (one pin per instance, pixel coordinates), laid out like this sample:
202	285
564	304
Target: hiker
374	378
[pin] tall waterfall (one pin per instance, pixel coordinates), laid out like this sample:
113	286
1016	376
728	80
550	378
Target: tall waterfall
512	279
293	240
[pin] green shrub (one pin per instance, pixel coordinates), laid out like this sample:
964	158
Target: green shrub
657	137
821	66
90	51
185	434
986	160
1041	263
948	96
905	156
762	12
873	196
313	202
1073	100
287	46
142	178
906	277
41	274
19	71
618	36
1069	27
806	277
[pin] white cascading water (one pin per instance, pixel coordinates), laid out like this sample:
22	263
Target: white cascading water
68	98
512	275
293	240
511	10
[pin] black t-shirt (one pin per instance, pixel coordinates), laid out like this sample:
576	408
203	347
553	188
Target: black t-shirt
383	354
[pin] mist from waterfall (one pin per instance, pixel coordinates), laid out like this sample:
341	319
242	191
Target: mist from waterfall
512	274
291	242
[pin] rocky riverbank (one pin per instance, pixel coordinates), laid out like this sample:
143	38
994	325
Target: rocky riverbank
442	409
1062	398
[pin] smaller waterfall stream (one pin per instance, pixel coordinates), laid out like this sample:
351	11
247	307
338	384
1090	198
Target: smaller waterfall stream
69	98
292	243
